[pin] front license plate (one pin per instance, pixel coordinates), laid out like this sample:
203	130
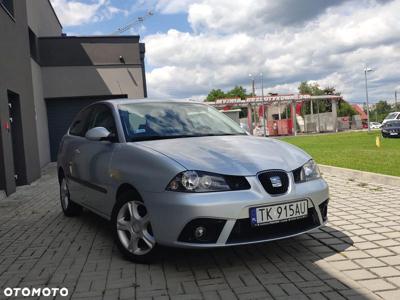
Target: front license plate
393	133
278	213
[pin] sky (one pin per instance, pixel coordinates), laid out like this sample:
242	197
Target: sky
193	46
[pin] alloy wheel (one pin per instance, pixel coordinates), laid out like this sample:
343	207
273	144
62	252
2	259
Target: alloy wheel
134	229
64	194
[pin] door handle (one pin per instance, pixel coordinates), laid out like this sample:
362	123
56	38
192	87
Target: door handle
77	151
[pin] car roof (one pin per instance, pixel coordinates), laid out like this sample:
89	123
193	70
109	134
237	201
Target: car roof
393	112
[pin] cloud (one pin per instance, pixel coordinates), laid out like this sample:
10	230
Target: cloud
173	6
75	13
252	15
289	41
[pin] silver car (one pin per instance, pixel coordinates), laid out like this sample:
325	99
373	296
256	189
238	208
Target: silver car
182	174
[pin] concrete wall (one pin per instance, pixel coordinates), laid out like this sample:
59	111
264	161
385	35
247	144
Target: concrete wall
326	122
91	66
92	81
233	114
86	66
42	19
41	115
15	75
62	67
87	51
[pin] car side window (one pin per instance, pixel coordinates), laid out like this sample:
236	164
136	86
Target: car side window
79	125
102	116
398	117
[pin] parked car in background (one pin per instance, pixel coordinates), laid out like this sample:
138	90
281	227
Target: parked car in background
182	174
391	129
259	131
392	116
375	125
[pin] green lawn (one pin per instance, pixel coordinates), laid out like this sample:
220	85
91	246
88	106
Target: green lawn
353	150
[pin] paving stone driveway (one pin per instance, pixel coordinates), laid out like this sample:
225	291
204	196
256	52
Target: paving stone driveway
356	256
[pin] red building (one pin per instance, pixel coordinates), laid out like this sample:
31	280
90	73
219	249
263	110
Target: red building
360	110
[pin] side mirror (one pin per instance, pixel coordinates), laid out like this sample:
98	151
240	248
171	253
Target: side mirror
98	134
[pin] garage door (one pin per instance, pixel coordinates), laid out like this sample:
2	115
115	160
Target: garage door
61	112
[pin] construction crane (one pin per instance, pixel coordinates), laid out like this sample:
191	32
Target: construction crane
138	21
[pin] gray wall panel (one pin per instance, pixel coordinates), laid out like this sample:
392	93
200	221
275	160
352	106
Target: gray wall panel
87	51
15	75
42	18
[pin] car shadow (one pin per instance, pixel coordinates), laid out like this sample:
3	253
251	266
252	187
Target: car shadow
301	262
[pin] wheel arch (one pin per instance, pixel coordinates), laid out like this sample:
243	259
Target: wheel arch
60	174
124	187
127	187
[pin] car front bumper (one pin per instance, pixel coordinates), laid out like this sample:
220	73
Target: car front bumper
171	212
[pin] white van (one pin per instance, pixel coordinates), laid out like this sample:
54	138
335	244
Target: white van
392	116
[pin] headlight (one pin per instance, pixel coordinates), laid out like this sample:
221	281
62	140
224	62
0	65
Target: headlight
309	171
201	182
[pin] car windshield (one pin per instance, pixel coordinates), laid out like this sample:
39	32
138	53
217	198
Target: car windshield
391	116
393	124
162	120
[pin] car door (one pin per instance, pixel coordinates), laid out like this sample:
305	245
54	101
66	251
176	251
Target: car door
74	141
95	158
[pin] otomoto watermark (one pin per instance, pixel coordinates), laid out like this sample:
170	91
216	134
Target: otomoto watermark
38	292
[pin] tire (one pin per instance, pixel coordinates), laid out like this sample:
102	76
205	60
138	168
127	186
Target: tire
132	229
69	208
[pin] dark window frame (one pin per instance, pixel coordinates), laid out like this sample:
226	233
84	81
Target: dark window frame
83	116
94	109
8	8
33	45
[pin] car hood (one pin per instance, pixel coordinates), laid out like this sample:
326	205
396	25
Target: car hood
230	155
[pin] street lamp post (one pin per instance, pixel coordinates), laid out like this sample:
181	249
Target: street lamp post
263	106
395	100
366	70
252	85
255	116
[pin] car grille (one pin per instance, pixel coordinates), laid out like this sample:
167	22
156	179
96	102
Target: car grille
243	231
266	179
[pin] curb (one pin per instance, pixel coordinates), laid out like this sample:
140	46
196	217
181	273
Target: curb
361	175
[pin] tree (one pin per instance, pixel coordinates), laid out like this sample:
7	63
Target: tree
345	109
382	107
237	92
305	88
313	89
380	111
215	94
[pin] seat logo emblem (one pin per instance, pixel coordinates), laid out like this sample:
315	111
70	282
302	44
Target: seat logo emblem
276	181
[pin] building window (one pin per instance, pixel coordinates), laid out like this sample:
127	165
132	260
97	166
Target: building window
33	45
8	5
